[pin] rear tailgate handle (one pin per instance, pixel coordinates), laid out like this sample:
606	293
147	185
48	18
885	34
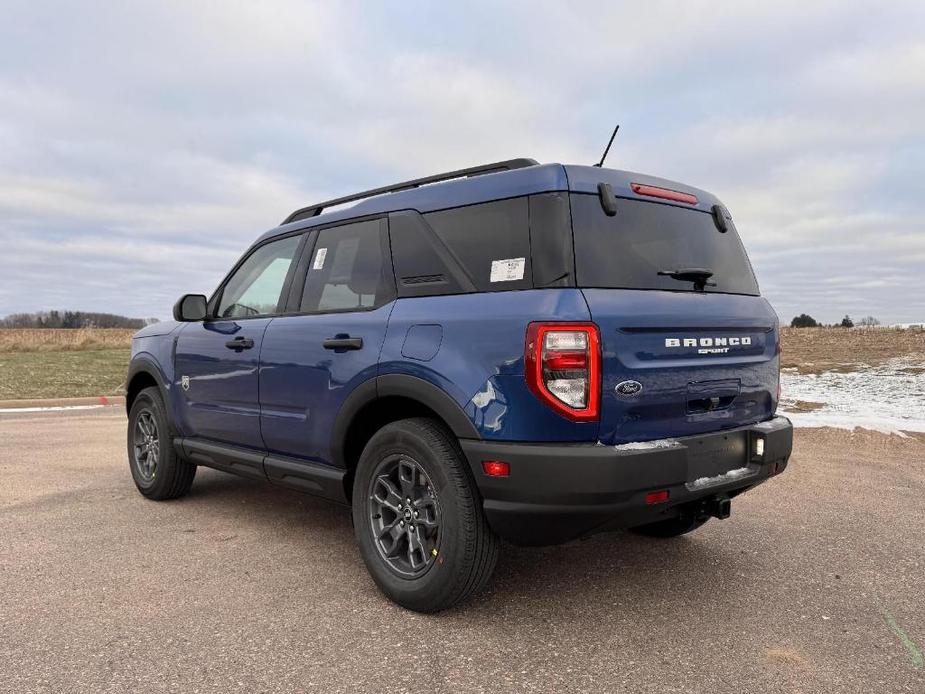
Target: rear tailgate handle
706	396
240	343
343	342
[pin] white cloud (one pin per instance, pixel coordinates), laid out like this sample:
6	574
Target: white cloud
144	146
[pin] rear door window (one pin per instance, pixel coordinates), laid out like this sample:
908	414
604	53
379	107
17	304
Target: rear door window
628	250
349	269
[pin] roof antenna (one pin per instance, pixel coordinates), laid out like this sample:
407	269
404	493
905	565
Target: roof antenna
601	162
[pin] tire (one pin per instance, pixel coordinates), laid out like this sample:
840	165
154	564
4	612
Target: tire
158	472
673	527
443	550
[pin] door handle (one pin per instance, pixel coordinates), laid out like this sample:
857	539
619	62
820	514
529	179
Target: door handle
239	343
343	343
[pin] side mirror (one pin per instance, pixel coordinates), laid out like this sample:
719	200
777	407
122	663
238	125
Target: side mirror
190	307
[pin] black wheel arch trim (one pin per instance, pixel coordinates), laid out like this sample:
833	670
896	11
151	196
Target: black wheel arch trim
148	366
400	385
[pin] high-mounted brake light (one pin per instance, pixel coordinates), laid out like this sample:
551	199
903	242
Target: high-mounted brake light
563	368
664	193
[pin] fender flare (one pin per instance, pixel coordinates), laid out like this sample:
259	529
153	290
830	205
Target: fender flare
147	365
398	385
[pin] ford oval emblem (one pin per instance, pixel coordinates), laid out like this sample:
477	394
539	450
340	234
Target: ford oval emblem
629	388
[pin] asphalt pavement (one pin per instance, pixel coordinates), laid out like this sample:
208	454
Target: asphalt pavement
815	584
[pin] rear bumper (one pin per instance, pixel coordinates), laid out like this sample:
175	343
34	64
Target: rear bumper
558	492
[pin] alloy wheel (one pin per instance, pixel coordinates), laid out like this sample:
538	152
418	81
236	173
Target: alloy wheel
404	515
146	445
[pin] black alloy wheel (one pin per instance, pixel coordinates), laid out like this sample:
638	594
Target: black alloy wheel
146	449
404	515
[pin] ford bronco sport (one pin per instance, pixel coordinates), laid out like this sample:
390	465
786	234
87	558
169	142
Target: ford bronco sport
520	351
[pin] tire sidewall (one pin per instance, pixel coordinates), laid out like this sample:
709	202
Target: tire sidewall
436	582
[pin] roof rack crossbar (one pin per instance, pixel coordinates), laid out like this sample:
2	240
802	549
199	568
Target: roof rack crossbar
315	210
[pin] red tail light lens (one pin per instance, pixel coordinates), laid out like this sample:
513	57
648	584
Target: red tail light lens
780	359
563	367
664	193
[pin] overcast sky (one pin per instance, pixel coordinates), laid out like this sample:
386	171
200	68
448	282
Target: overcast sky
144	146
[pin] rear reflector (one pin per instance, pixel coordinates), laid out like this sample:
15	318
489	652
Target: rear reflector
664	193
659	497
496	468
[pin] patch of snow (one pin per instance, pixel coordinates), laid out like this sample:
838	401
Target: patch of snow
57	408
730	476
886	425
889	398
769	425
646	445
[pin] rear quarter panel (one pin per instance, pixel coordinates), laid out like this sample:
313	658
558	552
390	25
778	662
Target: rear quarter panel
479	361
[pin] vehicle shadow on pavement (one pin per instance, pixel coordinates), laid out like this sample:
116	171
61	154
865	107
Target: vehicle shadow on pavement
609	568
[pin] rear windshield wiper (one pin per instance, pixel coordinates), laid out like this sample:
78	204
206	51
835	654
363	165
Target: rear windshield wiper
700	276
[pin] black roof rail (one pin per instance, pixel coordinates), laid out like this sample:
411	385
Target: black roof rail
315	210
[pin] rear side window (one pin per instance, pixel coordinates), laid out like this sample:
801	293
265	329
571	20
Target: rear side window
490	242
628	250
349	269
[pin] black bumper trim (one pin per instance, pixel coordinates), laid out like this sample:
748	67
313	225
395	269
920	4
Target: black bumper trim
558	492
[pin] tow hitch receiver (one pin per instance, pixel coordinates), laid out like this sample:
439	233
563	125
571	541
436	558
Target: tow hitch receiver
719	506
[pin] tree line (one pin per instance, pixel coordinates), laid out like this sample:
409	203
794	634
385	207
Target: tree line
73	319
806	321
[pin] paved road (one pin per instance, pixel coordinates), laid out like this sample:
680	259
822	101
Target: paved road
245	587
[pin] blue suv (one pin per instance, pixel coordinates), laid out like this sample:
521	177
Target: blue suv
520	351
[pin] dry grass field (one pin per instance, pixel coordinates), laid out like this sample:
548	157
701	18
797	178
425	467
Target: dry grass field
63	374
51	340
813	350
62	363
91	362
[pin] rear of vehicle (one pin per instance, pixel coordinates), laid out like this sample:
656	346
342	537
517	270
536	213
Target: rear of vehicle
535	352
676	370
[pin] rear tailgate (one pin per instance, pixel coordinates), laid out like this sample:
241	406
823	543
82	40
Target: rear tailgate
702	362
689	345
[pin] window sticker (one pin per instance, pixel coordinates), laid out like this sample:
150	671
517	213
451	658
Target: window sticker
319	258
507	270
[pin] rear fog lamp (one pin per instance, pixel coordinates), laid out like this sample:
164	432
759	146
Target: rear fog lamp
659	497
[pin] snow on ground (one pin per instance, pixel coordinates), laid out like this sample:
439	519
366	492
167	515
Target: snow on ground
888	398
56	408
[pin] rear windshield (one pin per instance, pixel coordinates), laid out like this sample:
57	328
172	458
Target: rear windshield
628	250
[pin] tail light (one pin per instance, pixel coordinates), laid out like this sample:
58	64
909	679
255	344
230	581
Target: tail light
563	368
780	358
